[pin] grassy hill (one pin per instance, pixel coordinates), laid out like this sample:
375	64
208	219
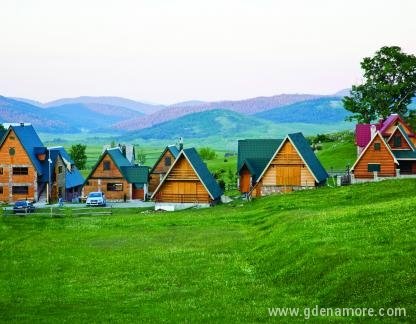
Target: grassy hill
316	111
345	247
219	127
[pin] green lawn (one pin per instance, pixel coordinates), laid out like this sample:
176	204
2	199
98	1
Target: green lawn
345	247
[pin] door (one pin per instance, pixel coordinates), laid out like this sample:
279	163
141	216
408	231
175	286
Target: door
288	175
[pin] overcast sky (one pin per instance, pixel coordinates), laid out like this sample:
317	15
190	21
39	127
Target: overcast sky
165	51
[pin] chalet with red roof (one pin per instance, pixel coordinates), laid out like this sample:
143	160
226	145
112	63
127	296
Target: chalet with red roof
385	149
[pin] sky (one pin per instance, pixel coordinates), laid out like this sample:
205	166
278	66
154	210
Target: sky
164	51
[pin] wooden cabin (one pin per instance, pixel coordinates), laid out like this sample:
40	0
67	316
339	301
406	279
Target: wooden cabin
161	167
282	165
187	182
117	178
387	156
25	168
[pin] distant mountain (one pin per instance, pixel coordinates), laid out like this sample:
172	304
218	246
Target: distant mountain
14	111
189	103
246	107
111	101
30	101
317	111
92	116
342	93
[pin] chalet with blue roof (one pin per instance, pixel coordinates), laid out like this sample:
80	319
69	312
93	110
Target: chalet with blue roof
188	182
162	165
29	170
268	166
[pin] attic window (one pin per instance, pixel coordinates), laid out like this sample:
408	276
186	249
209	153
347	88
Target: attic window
168	161
11	137
106	165
1	170
397	141
60	169
12	151
377	146
373	167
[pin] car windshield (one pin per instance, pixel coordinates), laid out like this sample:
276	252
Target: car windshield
95	195
20	203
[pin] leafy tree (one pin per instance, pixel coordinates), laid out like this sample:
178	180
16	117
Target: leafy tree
77	153
389	85
207	153
2	128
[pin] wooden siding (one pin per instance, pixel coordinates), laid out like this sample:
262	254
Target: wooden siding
159	170
19	159
138	194
99	179
182	186
245	179
391	128
288	169
382	157
404	145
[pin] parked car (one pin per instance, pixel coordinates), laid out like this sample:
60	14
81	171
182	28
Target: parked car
96	199
23	206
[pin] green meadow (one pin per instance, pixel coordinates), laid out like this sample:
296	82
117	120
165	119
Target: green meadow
350	247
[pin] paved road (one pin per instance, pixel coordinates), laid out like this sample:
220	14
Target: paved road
129	204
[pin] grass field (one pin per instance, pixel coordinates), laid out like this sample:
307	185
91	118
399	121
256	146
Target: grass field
345	247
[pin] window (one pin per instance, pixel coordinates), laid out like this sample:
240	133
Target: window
114	187
60	169
377	146
397	141
12	151
168	161
106	165
20	171
1	190
1	170
373	167
20	190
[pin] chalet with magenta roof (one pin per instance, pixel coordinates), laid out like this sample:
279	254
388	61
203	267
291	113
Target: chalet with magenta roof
268	166
386	149
117	177
29	170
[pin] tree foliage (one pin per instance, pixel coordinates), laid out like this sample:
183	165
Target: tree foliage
78	155
207	153
389	85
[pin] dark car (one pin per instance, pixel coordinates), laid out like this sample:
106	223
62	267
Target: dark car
23	206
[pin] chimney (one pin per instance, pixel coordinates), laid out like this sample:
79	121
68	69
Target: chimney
373	130
124	150
180	143
22	124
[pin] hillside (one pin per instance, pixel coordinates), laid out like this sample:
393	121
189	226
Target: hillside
246	107
144	108
315	111
91	116
340	247
13	111
227	125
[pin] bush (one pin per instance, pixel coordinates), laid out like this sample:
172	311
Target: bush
207	153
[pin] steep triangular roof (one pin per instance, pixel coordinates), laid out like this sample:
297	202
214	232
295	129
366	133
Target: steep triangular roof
132	173
305	152
172	149
376	135
201	170
390	121
255	154
30	142
406	137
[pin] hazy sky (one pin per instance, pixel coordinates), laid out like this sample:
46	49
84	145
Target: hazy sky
168	51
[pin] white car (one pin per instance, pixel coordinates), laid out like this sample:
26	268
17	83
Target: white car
96	199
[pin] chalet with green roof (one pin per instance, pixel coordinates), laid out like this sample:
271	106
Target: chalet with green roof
268	166
117	177
162	165
188	182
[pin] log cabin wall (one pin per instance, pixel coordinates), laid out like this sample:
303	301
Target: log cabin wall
182	185
13	155
377	153
160	169
58	180
403	143
107	176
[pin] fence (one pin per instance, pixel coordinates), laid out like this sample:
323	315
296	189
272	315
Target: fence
58	212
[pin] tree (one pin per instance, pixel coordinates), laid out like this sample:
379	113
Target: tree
207	153
389	85
2	128
77	153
